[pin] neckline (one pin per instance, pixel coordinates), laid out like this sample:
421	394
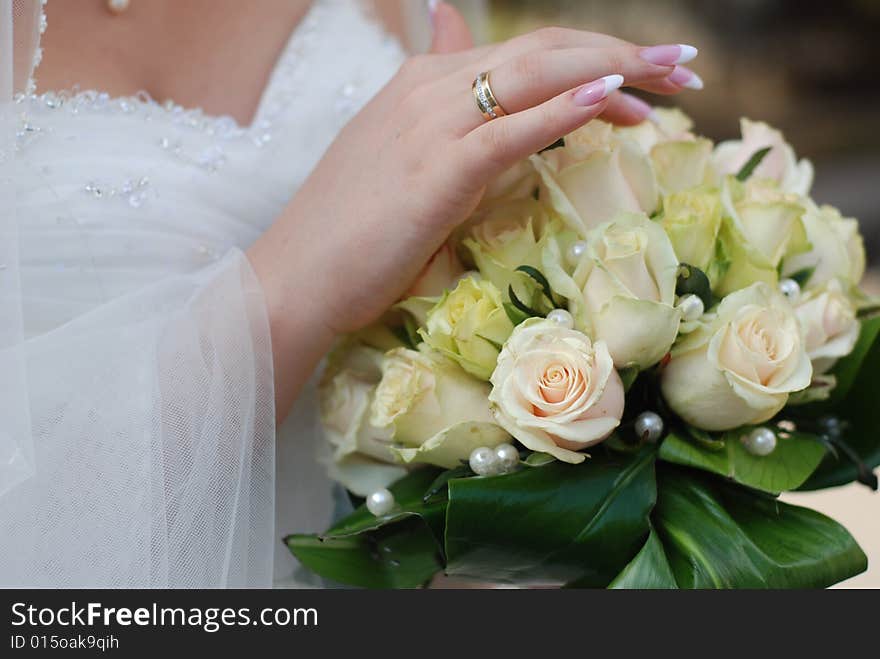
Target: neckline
297	42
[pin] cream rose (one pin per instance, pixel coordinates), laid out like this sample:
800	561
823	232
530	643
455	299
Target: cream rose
741	365
780	163
468	325
508	236
830	325
692	220
361	457
762	225
837	250
596	175
556	391
435	412
622	291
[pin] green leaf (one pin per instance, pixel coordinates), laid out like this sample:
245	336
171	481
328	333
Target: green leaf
854	400
628	375
539	277
400	550
746	171
795	458
803	276
557	524
723	536
409	493
440	483
557	144
515	315
648	570
538	459
693	281
521	306
403	555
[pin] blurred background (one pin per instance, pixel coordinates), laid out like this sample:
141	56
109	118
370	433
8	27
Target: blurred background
806	67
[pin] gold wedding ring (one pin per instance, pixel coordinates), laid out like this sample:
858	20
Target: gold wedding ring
488	106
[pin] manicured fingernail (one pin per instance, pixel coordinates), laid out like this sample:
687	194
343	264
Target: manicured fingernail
637	106
595	91
684	77
668	54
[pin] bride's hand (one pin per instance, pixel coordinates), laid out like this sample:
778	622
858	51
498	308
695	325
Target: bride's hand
414	162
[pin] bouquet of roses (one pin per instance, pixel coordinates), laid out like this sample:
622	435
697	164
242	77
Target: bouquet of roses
609	374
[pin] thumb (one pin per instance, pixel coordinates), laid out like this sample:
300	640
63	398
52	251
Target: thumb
451	32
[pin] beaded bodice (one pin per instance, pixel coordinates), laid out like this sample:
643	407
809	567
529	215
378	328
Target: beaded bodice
114	193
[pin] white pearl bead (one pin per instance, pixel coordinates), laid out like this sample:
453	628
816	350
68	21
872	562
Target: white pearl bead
576	252
380	502
692	307
506	457
483	461
790	289
561	317
649	426
761	441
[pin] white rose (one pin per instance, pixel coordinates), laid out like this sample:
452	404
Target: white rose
361	457
780	163
741	365
622	291
830	325
596	175
556	391
436	413
837	249
518	182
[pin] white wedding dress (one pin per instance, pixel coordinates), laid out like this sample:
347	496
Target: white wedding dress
137	438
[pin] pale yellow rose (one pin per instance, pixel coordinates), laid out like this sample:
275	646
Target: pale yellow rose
837	250
830	324
622	291
556	391
469	325
780	163
436	413
360	454
595	176
742	363
762	225
505	237
692	221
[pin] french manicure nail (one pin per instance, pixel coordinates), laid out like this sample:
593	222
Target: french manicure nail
637	106
668	54
595	91
684	77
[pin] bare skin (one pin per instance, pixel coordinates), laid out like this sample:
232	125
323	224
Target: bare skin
332	263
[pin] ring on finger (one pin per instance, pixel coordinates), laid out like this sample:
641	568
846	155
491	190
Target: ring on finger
487	104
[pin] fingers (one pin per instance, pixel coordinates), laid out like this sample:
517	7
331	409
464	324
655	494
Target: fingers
531	79
451	32
499	144
626	110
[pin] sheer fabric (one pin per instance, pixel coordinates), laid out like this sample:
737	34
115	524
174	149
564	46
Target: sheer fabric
137	437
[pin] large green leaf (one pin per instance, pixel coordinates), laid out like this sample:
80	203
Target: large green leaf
556	524
795	458
724	536
409	494
648	570
400	550
401	555
855	400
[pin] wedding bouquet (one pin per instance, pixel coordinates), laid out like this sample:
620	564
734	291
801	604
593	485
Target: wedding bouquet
609	374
